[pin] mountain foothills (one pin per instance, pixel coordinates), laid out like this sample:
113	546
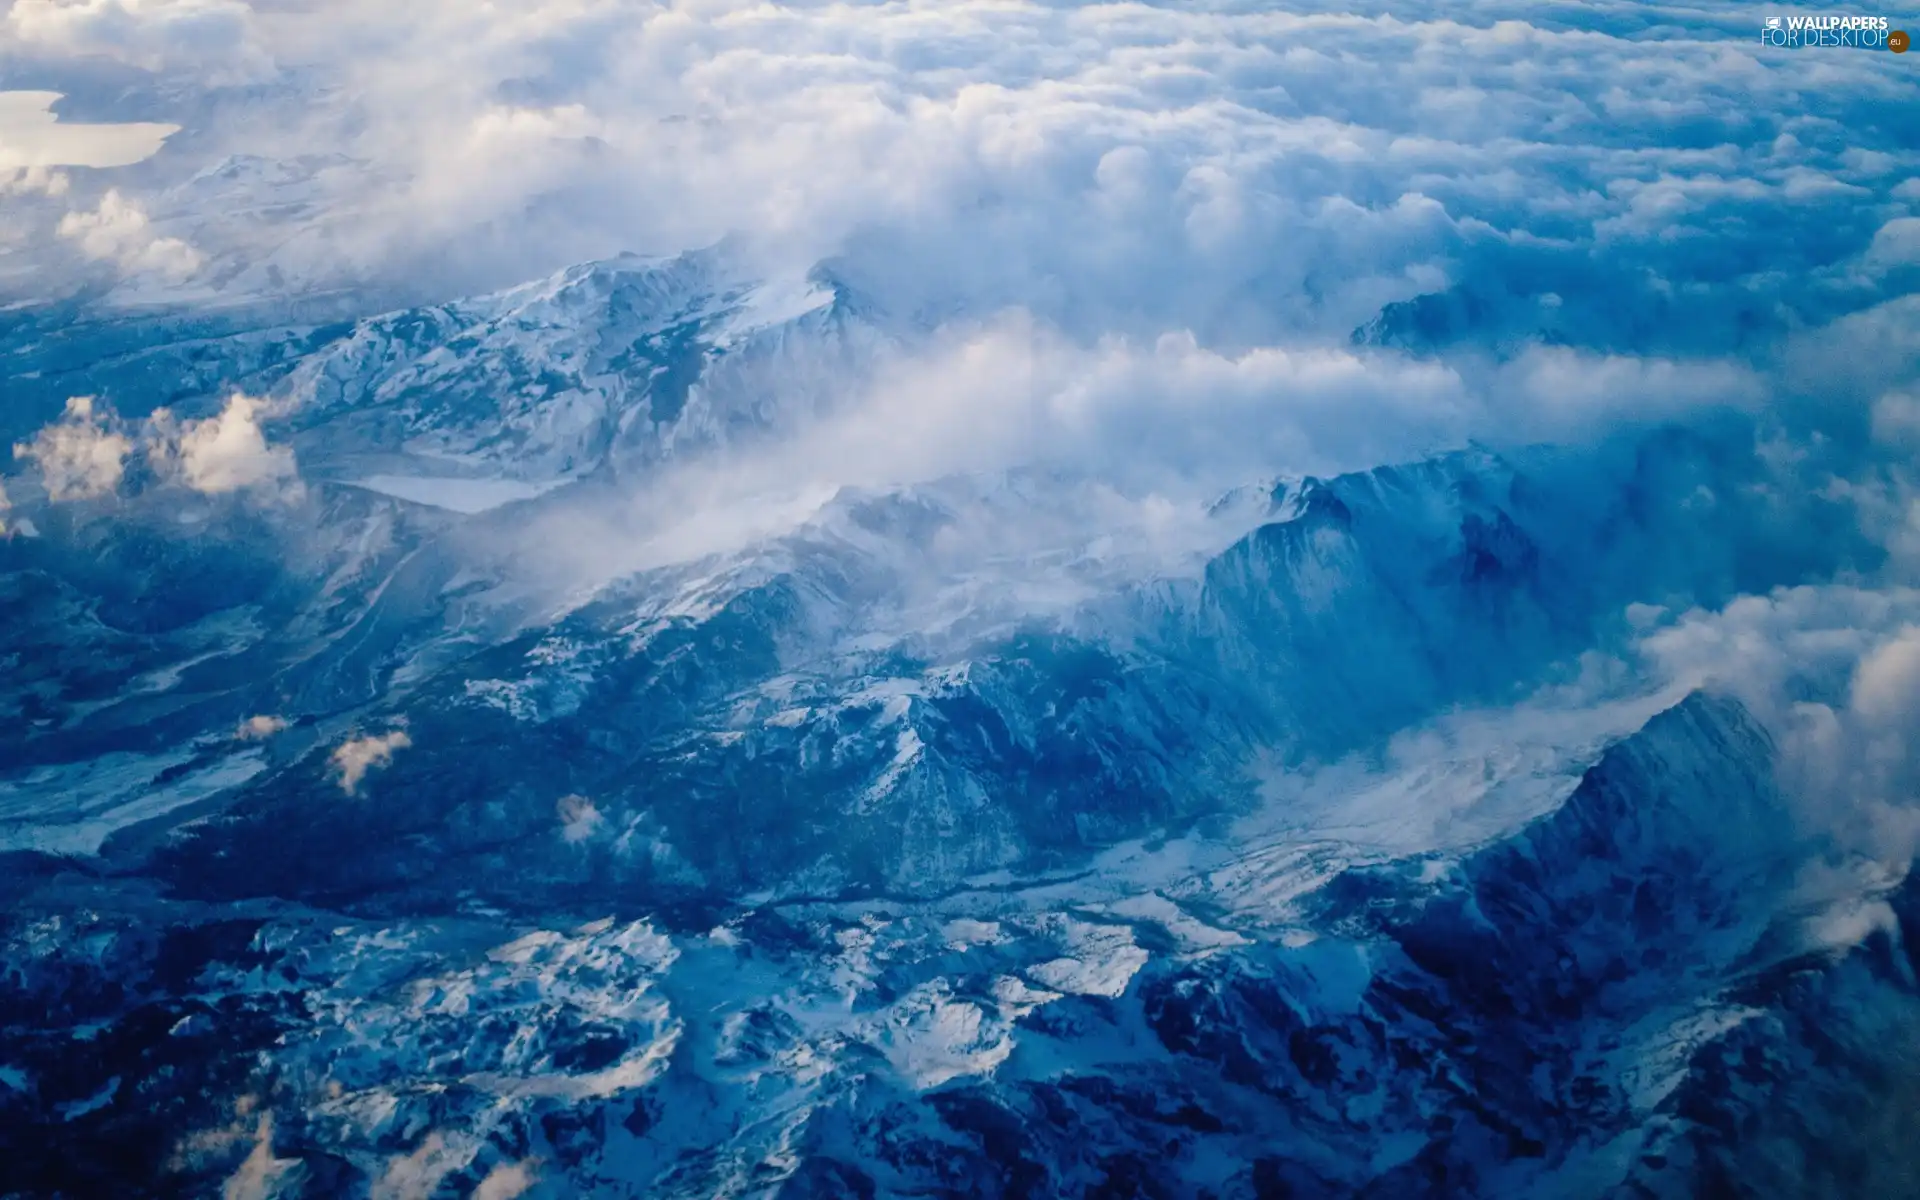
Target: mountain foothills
457	752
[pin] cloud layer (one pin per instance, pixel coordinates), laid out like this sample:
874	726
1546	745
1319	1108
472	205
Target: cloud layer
1250	172
213	37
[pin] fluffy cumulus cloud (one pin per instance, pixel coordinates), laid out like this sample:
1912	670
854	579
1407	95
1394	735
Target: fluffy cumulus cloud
34	181
117	231
1886	686
226	452
259	728
355	757
81	456
86	453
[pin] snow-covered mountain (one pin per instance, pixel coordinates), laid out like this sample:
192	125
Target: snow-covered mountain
1005	833
614	364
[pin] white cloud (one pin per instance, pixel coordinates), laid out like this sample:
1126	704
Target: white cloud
260	1175
1834	671
357	756
1886	684
213	38
1249	174
259	728
85	453
579	817
507	1181
1896	420
419	1173
1165	420
118	231
223	453
1896	244
80	456
34	181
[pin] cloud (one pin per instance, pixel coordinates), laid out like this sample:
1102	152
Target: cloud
1896	420
419	1173
355	757
117	231
81	456
1834	671
1886	683
1164	420
259	728
85	453
1250	173
223	453
507	1181
1044	189
1897	244
9	526
579	817
259	1175
34	181
213	38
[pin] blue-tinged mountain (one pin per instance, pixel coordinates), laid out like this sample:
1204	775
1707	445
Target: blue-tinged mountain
606	364
778	721
612	364
933	840
1573	1009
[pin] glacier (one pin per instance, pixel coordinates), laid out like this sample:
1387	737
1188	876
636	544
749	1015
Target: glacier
1009	832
